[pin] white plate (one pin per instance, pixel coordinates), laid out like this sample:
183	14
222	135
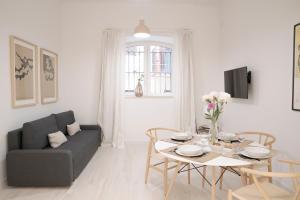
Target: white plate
257	151
190	150
189	155
244	153
181	138
181	135
226	136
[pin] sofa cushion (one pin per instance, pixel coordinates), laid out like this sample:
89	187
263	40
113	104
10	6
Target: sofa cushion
56	139
35	133
83	145
74	128
63	119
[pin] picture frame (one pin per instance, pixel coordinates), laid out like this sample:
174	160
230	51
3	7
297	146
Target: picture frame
24	72
296	69
48	76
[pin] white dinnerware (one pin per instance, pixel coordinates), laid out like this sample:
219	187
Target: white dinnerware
256	152
189	150
227	136
182	136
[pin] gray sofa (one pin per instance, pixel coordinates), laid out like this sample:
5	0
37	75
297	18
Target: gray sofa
32	162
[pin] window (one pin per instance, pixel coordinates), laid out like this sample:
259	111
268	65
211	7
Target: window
152	64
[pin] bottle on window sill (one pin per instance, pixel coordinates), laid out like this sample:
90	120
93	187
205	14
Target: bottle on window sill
139	89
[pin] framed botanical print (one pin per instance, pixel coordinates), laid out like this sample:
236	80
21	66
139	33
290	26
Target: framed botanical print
24	69
296	69
48	76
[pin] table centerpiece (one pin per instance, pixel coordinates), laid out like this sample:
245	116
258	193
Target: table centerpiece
215	102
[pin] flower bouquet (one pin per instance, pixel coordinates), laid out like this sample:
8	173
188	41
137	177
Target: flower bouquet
215	102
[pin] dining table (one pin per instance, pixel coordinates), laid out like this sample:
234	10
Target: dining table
221	155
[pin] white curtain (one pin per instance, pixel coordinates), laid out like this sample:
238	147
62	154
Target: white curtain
111	98
185	81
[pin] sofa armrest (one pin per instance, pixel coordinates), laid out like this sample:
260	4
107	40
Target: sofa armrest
94	127
42	167
90	127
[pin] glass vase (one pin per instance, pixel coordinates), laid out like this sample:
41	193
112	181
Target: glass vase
213	132
139	89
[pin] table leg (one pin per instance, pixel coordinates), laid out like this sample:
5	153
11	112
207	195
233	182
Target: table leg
250	180
270	168
204	174
222	171
189	173
244	178
213	183
173	180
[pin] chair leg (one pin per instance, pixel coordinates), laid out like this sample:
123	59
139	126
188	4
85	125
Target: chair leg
229	195
204	174
172	181
189	174
165	176
148	162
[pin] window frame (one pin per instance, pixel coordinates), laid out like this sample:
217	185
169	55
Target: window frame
147	67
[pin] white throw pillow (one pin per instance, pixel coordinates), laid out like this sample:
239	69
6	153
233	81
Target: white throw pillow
57	139
73	128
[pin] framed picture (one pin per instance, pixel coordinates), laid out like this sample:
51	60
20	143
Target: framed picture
296	69
48	76
24	69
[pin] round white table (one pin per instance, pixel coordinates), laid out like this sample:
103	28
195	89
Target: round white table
220	161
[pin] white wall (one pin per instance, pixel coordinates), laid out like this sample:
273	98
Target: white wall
82	24
37	22
259	34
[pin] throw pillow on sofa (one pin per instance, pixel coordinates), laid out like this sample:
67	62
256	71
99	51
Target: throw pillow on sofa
56	139
73	128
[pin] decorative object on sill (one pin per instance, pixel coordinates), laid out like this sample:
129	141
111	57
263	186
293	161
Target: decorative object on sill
24	69
215	103
296	69
141	30
139	88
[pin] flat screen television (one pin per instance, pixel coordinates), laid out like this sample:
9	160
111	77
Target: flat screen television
236	82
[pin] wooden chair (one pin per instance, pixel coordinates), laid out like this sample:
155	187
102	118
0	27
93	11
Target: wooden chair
154	135
266	190
265	139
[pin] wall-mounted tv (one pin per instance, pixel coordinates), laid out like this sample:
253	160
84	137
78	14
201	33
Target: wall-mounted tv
236	82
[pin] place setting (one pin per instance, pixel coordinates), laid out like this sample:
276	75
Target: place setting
179	137
198	151
255	153
242	148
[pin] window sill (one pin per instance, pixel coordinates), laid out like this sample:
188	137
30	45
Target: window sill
149	97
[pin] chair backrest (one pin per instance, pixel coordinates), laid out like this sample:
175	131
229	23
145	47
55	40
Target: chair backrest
291	174
154	133
292	164
265	139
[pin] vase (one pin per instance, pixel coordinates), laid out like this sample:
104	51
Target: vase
138	89
213	131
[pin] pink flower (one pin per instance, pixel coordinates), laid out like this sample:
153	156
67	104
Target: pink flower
211	106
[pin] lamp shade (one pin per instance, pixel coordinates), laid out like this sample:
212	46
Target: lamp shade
141	30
